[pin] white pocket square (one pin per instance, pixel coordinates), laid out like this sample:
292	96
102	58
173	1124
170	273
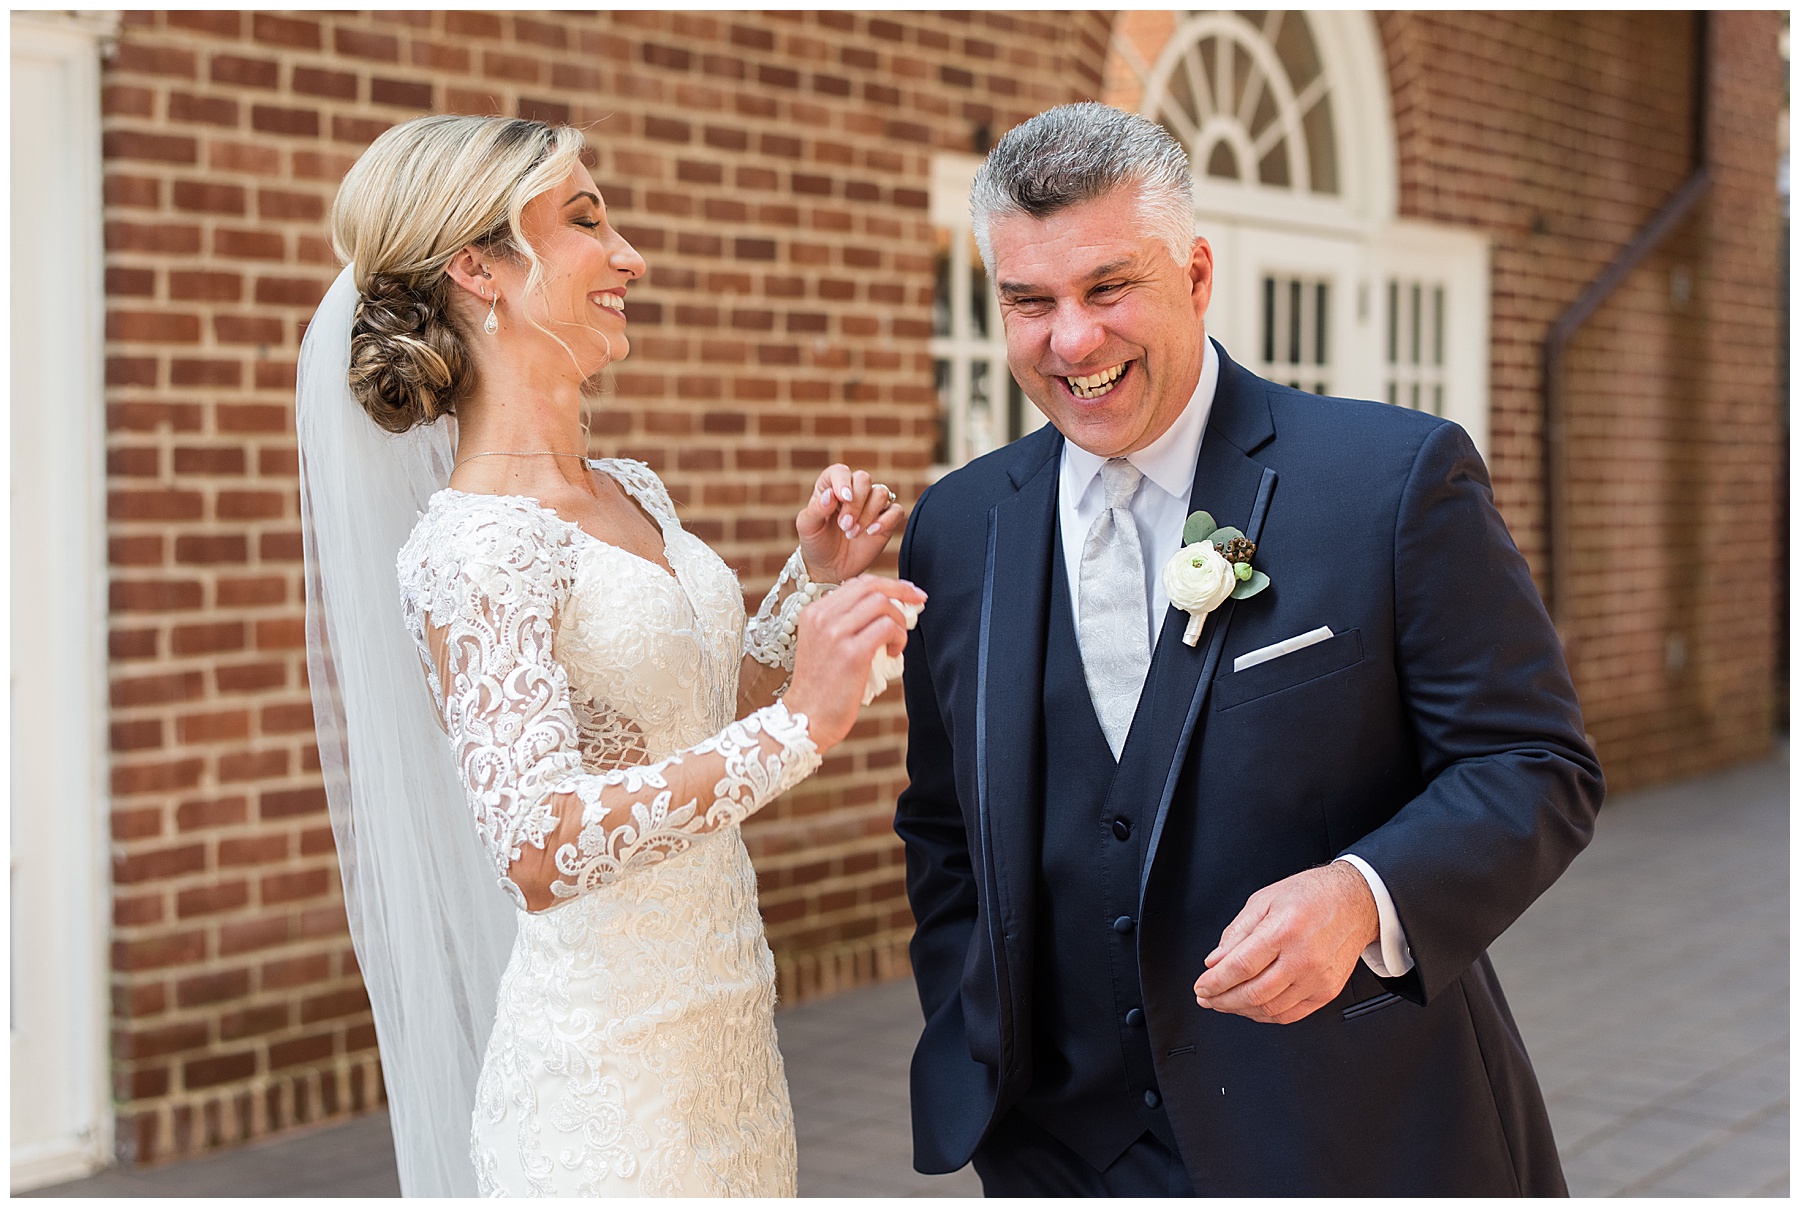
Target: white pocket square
1301	642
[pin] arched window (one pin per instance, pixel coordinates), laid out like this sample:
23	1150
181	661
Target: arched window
1249	97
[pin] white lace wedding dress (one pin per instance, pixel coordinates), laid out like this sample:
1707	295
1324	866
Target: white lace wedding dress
633	1050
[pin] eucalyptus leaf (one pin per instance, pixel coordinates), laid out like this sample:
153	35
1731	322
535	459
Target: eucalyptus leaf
1220	536
1200	527
1255	583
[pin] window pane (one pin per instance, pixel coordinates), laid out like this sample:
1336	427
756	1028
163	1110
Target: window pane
1273	170
1414	316
1222	163
1268	320
978	299
1393	324
1183	90
1209	63
1294	47
1322	309
1266	112
1256	17
1293	323
1437	325
1321	147
1242	66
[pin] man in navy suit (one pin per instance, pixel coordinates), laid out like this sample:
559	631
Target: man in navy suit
1212	918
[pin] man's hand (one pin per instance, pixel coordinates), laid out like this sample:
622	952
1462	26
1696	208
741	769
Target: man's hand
1292	947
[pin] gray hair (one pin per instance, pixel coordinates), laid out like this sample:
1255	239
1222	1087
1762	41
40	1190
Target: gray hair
1075	153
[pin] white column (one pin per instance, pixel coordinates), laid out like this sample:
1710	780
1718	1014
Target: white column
61	1109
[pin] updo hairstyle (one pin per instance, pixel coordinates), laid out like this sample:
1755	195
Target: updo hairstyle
421	193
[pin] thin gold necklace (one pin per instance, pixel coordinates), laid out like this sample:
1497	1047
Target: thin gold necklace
519	453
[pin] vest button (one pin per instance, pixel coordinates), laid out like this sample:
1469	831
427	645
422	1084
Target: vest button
1123	924
1152	1100
1135	1018
1121	829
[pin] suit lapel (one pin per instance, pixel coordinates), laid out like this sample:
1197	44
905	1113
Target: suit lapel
1236	489
1014	626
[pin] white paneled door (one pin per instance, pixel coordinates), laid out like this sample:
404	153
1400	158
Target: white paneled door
61	1116
1401	317
1284	304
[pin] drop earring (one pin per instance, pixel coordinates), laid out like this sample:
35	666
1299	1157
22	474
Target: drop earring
493	323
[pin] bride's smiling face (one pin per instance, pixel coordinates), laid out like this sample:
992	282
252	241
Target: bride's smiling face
587	268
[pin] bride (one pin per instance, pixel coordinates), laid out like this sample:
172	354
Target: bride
538	743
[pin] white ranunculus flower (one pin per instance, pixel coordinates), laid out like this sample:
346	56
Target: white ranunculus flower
1198	580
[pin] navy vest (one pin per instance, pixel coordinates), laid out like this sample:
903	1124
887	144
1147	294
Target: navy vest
1093	1085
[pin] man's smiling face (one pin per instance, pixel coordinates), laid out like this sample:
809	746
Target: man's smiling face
1104	328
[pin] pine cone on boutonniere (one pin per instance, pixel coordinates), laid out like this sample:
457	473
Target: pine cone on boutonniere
1238	549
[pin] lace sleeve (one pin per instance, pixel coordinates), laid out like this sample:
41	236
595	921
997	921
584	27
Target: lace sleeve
485	605
772	635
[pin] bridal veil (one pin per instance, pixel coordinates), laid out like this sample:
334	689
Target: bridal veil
432	933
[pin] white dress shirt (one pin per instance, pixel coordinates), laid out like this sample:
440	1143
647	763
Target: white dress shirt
1160	509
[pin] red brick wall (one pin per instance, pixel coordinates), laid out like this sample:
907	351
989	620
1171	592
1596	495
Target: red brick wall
1559	135
771	167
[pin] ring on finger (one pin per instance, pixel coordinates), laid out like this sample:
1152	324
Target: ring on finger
882	486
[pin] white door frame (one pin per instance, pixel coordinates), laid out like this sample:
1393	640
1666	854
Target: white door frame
57	706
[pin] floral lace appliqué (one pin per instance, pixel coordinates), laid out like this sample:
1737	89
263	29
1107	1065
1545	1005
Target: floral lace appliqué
633	1050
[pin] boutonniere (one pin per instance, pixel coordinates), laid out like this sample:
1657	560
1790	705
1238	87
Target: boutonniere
1213	566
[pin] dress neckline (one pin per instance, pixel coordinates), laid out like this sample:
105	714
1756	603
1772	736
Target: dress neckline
666	566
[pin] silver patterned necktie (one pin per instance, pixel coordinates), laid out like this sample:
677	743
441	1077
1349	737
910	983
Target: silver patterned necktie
1113	629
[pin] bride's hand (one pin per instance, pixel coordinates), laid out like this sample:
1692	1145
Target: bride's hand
839	635
845	524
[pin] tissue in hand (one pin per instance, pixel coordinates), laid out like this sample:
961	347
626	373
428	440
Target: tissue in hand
886	668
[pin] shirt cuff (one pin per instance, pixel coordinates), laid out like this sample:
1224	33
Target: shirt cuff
1391	955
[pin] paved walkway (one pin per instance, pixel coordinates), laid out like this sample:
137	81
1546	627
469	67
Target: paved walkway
1650	984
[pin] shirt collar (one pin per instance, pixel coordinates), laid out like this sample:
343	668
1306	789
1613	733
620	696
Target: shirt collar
1169	460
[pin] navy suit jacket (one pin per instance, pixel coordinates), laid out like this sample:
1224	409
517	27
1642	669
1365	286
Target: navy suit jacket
1437	736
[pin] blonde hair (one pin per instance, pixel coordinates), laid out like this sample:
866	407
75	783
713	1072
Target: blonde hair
421	193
